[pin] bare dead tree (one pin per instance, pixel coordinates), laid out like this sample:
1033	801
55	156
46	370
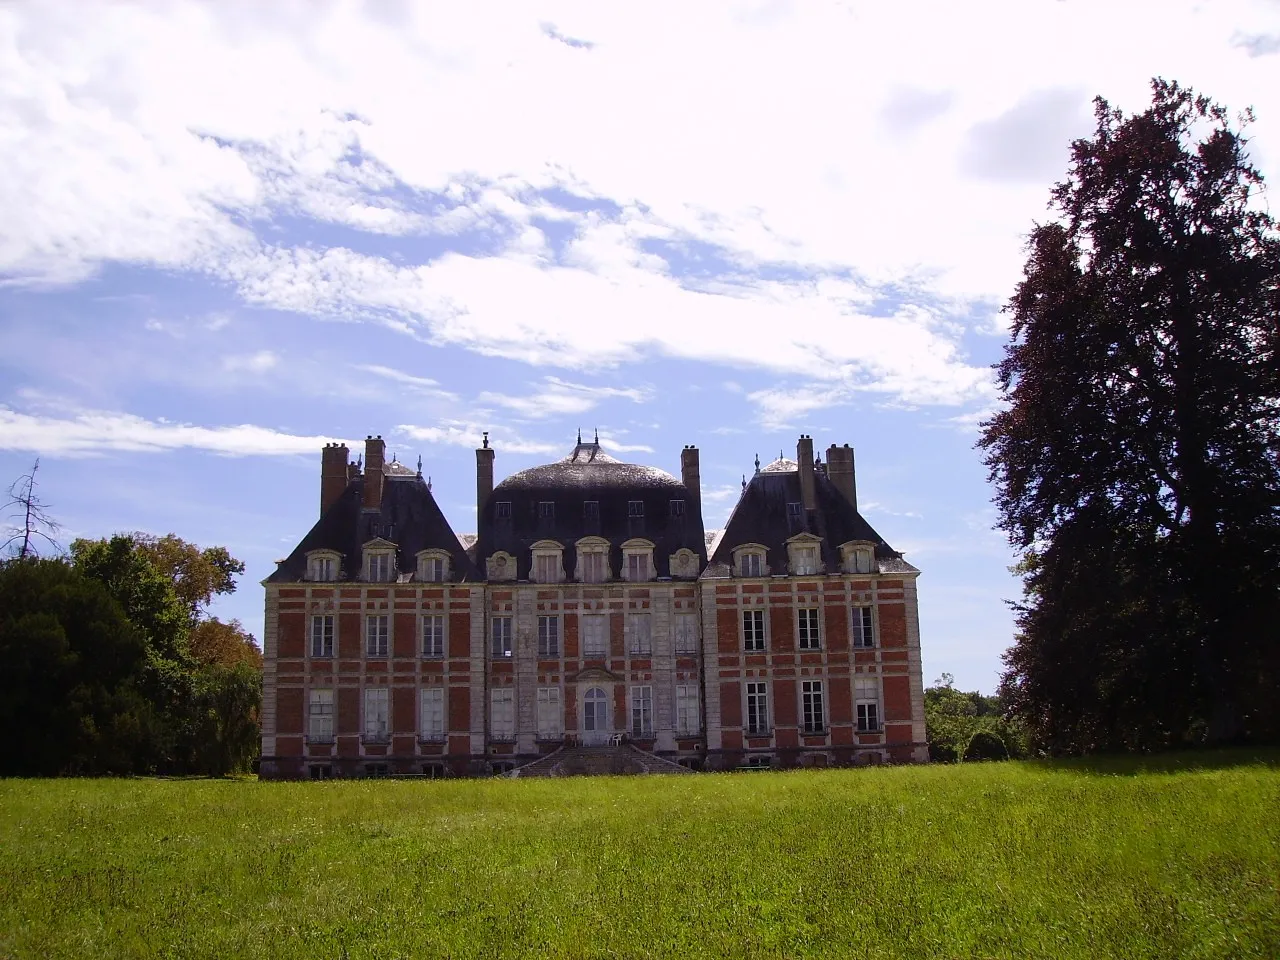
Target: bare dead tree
29	519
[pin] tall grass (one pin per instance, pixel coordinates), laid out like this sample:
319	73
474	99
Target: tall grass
1000	860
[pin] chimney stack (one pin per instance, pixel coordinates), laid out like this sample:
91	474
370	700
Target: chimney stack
333	474
691	476
484	476
840	470
375	452
804	457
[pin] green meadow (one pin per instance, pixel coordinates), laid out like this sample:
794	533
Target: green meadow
1177	858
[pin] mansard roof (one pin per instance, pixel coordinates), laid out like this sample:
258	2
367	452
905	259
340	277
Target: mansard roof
408	517
762	516
589	468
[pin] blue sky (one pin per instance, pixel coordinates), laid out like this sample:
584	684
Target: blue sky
233	232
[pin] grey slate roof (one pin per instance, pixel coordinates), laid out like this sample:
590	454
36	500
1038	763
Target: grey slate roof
762	516
589	475
409	517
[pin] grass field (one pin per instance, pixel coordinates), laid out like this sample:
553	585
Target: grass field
999	860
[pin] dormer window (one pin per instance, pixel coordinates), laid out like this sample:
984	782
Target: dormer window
546	510
637	560
322	566
433	566
591	510
548	562
502	510
749	559
795	511
858	556
805	561
593	560
379	561
677	508
635	509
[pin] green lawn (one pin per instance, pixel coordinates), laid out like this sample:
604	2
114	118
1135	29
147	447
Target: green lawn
998	860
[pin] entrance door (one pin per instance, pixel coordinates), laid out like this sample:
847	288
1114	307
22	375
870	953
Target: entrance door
596	727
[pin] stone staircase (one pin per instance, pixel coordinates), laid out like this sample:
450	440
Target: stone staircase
593	761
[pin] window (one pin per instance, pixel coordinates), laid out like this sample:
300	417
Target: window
379	567
637	566
640	630
502	713
686	635
502	510
321	771
795	511
635	509
377	769
550	717
433	771
591	510
431	714
548	637
808	629
867	695
861	559
677	508
431	569
806	561
433	635
322	568
753	630
595	635
758	708
501	637
593	567
320	717
546	568
688	721
376	629
752	565
322	635
812	715
375	713
863	636
642	711
546	510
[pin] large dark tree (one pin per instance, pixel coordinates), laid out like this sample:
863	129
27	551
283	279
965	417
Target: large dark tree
1137	458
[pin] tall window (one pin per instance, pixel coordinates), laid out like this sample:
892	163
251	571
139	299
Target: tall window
380	567
322	635
677	508
686	634
641	711
753	630
431	714
432	569
595	635
548	637
757	707
635	508
433	635
640	628
320	717
637	566
546	568
812	709
752	565
863	636
321	568
502	713
376	632
806	559
500	637
593	567
807	628
688	721
867	694
591	510
376	702
546	510
550	716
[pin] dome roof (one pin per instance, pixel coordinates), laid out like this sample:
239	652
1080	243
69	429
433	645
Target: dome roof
588	467
397	469
781	465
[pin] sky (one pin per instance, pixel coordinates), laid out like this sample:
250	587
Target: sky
233	232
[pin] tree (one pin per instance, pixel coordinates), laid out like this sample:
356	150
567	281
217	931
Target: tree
1137	459
964	726
214	643
196	575
30	521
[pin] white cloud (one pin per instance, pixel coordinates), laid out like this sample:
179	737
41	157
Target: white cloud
259	362
556	397
95	432
424	385
461	433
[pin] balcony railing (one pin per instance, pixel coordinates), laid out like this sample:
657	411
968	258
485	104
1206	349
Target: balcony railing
502	738
760	731
375	738
433	737
320	738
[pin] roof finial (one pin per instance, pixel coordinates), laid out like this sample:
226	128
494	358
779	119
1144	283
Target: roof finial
597	436
486	439
757	463
428	484
744	481
579	436
779	453
419	464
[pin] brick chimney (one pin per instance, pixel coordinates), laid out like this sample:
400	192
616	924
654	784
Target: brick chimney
333	474
840	470
375	452
804	457
691	476
484	476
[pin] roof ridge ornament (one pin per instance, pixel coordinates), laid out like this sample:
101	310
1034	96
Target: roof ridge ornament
757	463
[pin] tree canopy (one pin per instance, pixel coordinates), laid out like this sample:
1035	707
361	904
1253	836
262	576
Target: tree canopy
1137	458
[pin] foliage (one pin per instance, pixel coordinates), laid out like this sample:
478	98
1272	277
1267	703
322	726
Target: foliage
954	719
1138	459
977	860
213	642
197	575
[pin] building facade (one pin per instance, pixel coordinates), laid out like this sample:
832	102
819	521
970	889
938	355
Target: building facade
590	607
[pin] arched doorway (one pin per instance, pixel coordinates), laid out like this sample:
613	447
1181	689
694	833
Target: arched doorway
596	727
